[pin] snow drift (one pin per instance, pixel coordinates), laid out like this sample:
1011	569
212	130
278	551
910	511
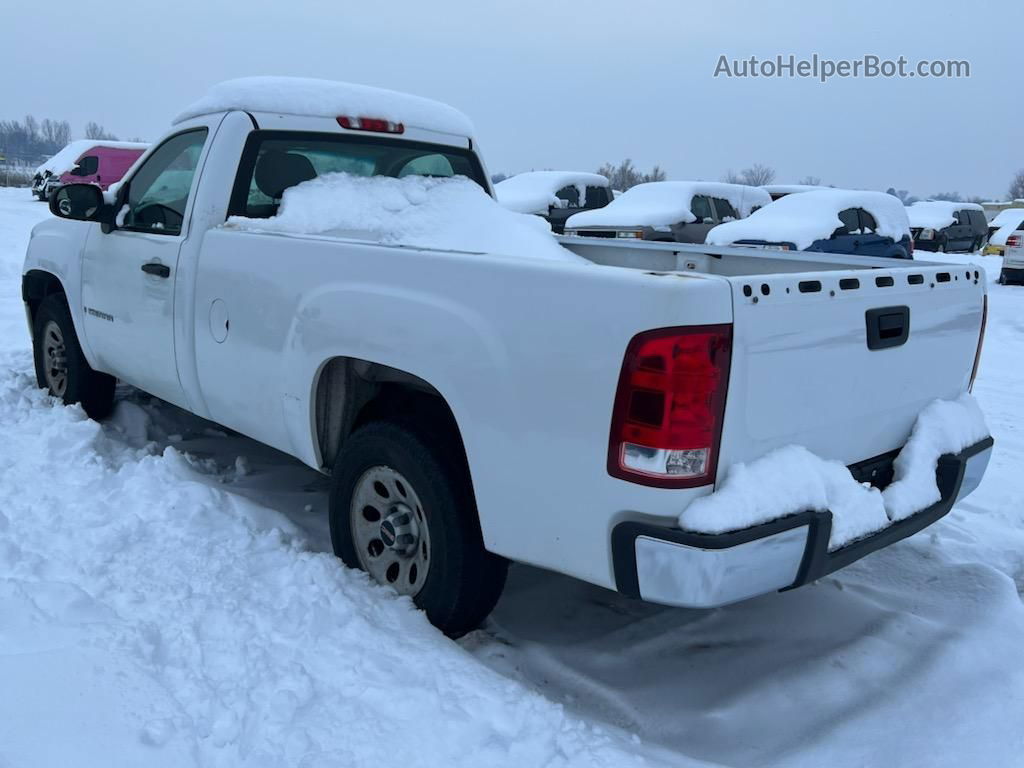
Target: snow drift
328	98
534	191
792	479
447	214
664	203
809	216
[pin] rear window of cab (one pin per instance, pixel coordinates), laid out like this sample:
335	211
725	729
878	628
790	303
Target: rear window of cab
273	161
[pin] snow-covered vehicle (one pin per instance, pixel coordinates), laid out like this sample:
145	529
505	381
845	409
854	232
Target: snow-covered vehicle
1003	225
827	220
944	226
93	161
554	195
286	262
669	211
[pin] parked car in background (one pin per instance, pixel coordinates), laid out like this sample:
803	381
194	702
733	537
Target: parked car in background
943	226
88	161
1013	260
829	220
670	211
777	191
1001	227
554	195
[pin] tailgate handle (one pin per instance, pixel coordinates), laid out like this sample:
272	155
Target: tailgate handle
887	327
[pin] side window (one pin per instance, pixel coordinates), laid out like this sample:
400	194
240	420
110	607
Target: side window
851	222
724	209
597	197
570	196
87	166
700	207
960	217
867	222
978	220
158	192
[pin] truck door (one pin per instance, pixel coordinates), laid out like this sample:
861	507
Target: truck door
128	275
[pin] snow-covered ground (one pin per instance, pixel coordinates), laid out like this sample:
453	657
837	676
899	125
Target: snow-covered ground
167	599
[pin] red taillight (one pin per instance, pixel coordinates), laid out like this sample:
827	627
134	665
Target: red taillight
1013	241
371	124
981	342
667	418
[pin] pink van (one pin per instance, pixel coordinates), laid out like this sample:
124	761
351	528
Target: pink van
103	164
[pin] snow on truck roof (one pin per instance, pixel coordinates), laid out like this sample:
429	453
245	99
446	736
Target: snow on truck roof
663	203
936	214
534	191
802	219
328	98
67	158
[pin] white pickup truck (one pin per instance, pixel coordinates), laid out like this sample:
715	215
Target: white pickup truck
473	409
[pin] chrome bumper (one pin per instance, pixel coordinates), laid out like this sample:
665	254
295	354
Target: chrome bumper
675	567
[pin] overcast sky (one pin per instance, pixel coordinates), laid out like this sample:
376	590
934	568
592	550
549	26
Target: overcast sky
570	85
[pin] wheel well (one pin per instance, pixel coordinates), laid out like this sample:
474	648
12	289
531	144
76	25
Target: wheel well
352	392
36	285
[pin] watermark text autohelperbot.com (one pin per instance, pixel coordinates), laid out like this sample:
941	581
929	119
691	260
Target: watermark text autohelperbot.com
824	69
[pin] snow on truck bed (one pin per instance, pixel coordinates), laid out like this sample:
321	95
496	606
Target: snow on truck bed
534	191
802	219
67	158
328	98
663	203
447	214
937	214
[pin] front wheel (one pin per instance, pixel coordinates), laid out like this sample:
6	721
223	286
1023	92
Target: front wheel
402	510
61	368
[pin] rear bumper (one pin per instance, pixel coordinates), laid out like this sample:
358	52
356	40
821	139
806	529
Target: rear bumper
1015	274
675	567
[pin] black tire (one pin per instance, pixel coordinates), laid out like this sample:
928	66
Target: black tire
94	390
464	580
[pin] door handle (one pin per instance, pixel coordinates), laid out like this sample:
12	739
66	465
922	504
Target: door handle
160	270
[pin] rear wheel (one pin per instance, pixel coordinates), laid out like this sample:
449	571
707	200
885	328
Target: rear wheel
61	367
402	510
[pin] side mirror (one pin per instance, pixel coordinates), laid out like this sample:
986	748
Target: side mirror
81	202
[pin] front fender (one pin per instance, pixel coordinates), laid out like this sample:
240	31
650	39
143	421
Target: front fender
56	248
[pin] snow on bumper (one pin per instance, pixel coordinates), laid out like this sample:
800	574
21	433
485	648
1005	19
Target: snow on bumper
694	570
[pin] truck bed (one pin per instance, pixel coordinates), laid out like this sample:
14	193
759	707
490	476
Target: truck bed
727	261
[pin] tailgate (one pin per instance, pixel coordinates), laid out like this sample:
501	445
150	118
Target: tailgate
821	359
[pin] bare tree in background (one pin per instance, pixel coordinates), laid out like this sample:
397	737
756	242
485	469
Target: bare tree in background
904	195
94	130
811	181
755	176
1017	186
625	175
56	133
758	175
